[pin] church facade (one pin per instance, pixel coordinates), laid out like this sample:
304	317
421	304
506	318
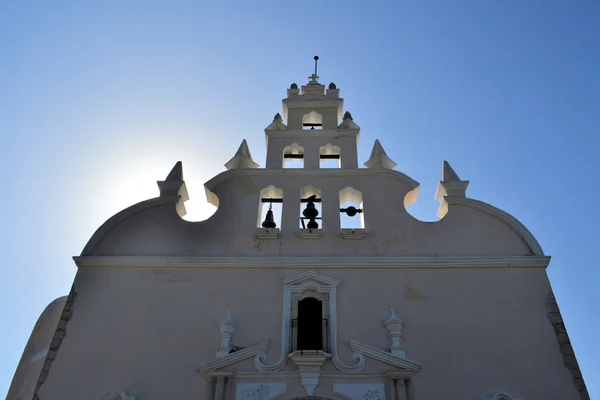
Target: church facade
326	289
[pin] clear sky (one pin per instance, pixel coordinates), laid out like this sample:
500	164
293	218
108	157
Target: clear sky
98	100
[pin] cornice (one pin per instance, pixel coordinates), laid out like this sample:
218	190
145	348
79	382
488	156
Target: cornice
315	262
301	133
235	357
211	184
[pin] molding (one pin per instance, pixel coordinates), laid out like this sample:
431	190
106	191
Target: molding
310	233
305	133
310	277
233	358
258	375
329	172
315	262
267	233
514	223
118	395
123	215
353	233
384	357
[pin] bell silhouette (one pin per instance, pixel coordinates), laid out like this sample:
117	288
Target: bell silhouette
269	221
311	213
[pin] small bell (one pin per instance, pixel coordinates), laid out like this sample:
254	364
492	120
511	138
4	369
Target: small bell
269	221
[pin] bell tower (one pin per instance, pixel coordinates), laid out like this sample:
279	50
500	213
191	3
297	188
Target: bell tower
315	128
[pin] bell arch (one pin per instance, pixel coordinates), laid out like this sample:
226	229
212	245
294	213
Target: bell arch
330	156
312	120
311	209
270	199
293	156
351	209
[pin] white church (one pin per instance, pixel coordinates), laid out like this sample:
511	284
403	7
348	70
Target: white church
326	288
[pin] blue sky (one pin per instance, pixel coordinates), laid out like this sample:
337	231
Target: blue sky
99	99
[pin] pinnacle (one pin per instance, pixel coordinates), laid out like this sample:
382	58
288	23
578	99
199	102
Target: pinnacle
448	174
379	159
176	174
242	158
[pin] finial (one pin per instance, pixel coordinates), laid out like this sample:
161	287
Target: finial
174	186
332	86
314	78
379	159
450	186
242	158
347	115
293	86
394	326
277	117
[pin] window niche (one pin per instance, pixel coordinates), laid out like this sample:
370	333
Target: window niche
312	120
311	220
352	217
270	208
293	156
309	319
329	156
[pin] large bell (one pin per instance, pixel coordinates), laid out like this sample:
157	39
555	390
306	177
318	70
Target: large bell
311	213
269	221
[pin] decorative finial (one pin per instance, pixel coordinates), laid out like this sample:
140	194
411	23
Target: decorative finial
394	326
450	186
332	86
379	159
242	158
173	186
314	79
293	86
277	117
347	115
227	328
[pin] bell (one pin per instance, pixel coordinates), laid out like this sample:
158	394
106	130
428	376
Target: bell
269	222
311	213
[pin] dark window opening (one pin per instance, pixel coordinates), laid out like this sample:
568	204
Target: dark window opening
310	324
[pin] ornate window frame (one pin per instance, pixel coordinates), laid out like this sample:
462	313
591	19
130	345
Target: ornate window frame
309	284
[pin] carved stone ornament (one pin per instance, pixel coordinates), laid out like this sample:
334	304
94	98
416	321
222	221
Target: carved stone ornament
260	391
394	326
360	391
227	328
118	395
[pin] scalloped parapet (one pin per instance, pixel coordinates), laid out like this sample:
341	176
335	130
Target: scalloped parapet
379	159
242	158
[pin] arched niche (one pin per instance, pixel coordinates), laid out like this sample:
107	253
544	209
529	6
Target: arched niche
330	156
293	156
312	120
350	197
270	192
305	193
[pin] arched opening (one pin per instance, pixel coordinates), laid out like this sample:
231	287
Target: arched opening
310	324
270	198
352	215
311	210
312	120
293	156
329	156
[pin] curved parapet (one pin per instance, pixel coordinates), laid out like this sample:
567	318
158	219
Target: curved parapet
121	216
34	356
511	221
